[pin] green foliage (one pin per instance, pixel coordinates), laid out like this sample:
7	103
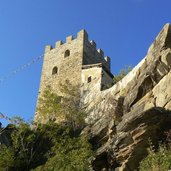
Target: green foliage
122	74
27	147
6	158
51	146
159	160
69	154
62	108
47	147
50	107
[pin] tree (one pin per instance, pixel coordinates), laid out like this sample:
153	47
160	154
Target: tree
69	153
7	158
28	147
65	108
51	146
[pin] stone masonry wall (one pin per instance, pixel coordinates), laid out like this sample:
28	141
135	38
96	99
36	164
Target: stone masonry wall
96	75
93	55
107	80
69	68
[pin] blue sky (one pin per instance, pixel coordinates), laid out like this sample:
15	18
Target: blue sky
124	29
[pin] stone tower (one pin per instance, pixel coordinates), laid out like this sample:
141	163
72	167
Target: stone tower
78	61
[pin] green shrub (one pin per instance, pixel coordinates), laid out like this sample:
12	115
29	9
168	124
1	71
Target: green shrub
51	146
62	108
48	147
159	160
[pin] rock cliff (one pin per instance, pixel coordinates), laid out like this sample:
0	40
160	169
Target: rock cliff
123	118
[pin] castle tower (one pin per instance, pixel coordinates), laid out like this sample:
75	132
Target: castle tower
78	61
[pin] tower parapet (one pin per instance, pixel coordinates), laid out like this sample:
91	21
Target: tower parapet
107	59
58	44
48	48
69	39
93	43
101	53
82	35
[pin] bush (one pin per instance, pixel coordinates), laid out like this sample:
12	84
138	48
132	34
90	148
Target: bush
47	147
159	160
64	108
69	154
51	146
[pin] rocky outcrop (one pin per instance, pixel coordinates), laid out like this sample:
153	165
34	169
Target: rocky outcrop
123	118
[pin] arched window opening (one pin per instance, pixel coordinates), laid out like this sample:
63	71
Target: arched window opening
89	79
55	71
67	53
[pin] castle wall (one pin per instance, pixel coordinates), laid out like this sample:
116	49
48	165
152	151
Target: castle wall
106	81
66	61
93	56
68	68
95	73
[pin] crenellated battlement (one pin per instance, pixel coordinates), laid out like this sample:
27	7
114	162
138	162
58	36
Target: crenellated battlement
48	48
93	43
58	44
81	36
69	39
94	54
107	59
101	53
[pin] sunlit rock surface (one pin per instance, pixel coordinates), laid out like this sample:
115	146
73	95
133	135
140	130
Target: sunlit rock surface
123	118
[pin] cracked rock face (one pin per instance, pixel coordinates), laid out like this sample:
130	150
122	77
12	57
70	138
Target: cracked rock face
123	118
